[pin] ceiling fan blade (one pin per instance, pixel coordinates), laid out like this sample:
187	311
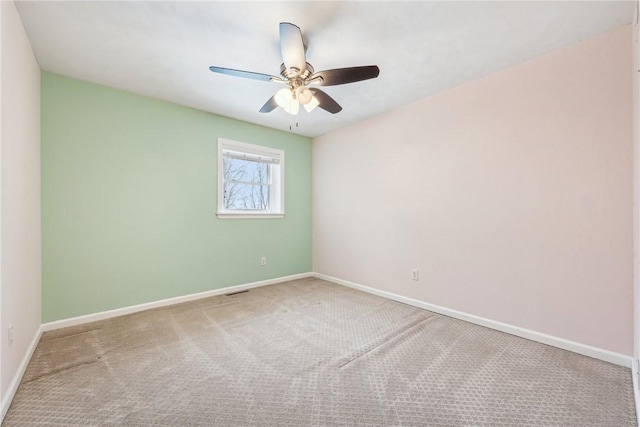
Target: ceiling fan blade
270	105
326	102
245	74
341	76
292	47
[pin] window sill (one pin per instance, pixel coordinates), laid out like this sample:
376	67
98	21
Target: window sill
222	215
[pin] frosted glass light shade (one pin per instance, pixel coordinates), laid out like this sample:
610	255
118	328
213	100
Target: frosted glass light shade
304	95
293	107
284	98
313	103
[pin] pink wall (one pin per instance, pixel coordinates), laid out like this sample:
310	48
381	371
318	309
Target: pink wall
20	198
511	194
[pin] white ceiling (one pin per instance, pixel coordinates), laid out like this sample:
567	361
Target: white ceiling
163	49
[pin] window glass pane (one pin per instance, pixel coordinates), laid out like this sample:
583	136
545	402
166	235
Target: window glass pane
245	170
250	180
241	196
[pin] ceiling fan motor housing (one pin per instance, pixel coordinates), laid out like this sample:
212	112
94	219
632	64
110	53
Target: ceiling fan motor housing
294	76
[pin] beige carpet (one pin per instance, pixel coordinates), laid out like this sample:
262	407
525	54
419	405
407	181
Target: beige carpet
310	353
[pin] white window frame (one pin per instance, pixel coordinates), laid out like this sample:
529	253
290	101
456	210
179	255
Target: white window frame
276	187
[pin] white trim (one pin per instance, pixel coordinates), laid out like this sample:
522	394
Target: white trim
74	321
276	167
636	391
17	378
269	153
252	215
586	350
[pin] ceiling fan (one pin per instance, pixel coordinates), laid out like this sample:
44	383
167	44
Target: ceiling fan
297	74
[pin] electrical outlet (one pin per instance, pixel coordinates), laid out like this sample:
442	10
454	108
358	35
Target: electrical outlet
263	261
10	334
415	274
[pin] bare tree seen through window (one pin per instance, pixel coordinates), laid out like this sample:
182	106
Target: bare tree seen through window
246	184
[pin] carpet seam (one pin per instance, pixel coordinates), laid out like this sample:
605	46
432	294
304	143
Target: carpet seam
397	334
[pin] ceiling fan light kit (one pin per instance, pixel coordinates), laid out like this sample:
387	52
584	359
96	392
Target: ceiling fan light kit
290	100
296	73
285	98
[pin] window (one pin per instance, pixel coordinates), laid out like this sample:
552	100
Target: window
250	181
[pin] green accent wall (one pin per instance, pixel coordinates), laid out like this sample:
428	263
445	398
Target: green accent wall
129	202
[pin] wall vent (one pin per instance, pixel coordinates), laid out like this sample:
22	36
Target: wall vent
235	293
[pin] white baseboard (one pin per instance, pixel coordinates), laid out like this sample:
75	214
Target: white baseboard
15	381
576	347
74	321
636	390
